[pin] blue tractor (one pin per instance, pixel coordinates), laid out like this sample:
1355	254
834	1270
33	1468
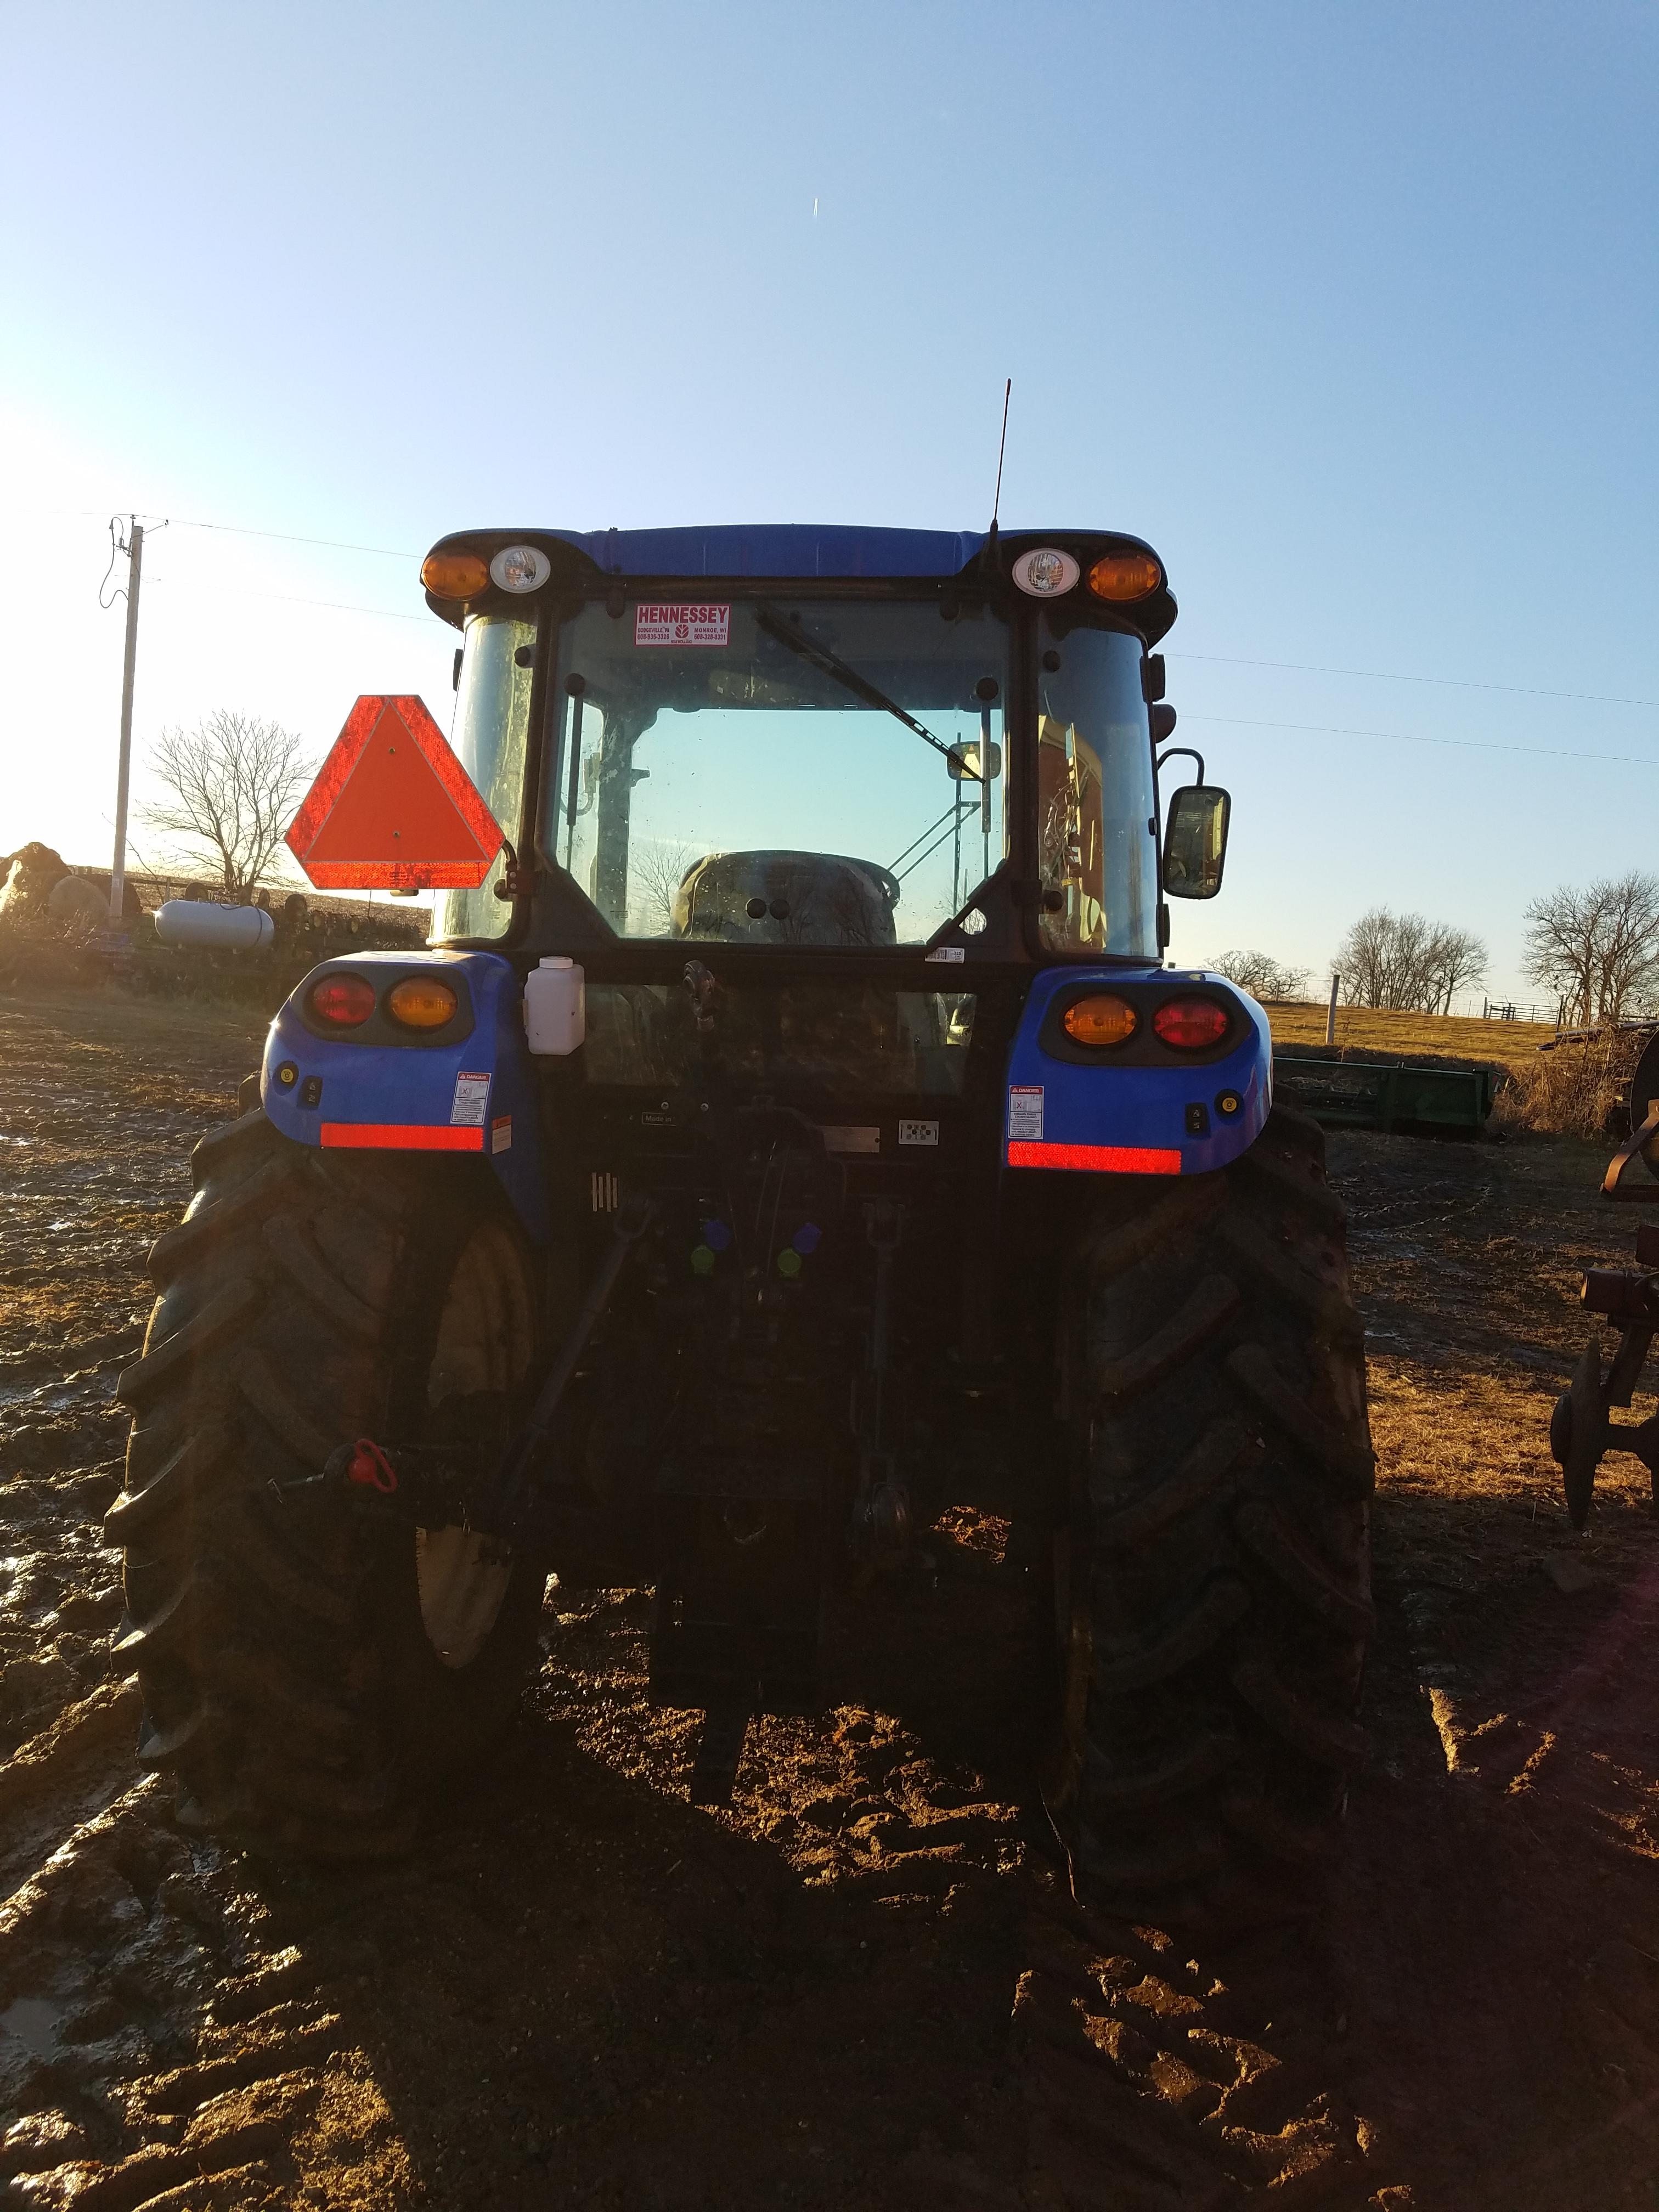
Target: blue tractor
804	1099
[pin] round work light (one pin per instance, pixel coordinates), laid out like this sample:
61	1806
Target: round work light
1046	573
520	569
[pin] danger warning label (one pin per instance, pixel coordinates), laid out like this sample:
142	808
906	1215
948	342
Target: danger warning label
1025	1110
472	1096
694	623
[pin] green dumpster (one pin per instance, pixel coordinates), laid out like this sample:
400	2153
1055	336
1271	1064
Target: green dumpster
1351	1094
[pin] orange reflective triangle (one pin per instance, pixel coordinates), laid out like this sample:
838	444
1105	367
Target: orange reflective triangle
393	805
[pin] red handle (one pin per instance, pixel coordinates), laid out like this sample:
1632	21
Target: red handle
370	1466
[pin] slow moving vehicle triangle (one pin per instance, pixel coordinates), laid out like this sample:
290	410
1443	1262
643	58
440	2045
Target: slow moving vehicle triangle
391	806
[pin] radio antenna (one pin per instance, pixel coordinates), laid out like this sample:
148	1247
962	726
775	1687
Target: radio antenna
1002	448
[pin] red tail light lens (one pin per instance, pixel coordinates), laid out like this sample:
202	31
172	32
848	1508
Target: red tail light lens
344	1001
1191	1024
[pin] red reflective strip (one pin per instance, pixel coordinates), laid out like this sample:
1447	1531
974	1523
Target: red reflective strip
396	875
401	1137
1096	1159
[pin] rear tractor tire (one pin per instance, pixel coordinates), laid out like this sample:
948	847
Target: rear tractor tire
310	1673
1214	1574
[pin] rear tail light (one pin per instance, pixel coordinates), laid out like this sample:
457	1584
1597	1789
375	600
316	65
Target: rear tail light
344	1001
1191	1024
420	1002
1103	1018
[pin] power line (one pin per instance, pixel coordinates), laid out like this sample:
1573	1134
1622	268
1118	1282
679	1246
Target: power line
339	606
237	530
1394	675
1221	659
1410	738
293	599
284	538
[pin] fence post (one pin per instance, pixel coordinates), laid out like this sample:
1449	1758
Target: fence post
1330	1012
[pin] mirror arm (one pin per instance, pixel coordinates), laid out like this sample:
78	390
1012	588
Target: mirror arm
1177	752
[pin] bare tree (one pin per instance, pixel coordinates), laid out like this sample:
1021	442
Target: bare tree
1405	961
1598	947
233	783
1364	958
1453	960
1262	976
656	869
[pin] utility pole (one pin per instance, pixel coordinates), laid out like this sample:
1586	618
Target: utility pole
134	548
1330	1011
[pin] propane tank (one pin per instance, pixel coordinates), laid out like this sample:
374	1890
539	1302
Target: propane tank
227	928
556	1006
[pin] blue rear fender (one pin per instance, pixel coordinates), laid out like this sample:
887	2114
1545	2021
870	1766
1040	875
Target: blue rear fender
1109	1112
468	1089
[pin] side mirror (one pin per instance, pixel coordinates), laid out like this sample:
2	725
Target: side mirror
1195	841
964	763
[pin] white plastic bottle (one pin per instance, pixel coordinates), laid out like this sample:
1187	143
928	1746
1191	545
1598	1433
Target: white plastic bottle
556	1006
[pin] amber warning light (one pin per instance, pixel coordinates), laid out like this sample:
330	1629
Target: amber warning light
392	806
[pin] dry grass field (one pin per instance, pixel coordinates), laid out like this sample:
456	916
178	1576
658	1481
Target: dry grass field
1453	1036
1576	1089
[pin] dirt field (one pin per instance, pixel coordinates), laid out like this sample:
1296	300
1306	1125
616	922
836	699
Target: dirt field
863	1986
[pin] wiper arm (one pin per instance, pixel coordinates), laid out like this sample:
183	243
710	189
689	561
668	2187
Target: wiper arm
796	641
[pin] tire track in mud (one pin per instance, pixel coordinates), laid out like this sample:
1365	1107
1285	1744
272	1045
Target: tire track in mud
152	2049
193	2029
157	2050
99	1101
865	1982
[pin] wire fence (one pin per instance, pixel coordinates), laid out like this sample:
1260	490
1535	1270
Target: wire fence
1473	1008
1512	1010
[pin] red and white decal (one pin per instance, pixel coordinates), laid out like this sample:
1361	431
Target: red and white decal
1024	1110
471	1097
500	1134
693	622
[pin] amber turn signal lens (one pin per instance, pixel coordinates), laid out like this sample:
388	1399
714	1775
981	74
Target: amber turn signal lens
420	1003
1103	1019
1125	576
344	1001
454	576
1190	1024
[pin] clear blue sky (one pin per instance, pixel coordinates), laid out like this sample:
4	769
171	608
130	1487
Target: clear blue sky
1351	310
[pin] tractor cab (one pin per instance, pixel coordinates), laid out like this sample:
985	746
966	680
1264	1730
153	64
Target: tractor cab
873	780
878	743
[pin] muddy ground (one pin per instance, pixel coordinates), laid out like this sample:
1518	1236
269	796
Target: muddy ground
863	1986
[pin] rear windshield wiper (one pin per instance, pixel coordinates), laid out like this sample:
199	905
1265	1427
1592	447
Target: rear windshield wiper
794	638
